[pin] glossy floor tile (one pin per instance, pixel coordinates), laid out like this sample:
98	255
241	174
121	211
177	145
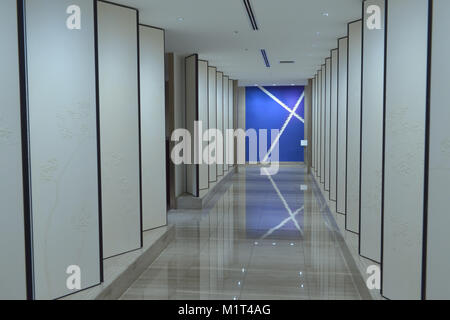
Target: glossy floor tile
261	238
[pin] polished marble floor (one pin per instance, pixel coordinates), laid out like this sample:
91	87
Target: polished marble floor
262	237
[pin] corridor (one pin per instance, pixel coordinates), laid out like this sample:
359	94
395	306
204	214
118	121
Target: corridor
261	237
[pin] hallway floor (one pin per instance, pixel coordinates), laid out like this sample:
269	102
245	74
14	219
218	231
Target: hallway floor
261	238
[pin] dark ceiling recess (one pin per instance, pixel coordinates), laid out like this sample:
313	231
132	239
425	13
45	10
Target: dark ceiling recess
251	16
287	61
266	60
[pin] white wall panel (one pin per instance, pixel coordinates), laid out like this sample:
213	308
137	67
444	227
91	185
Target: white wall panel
220	93
313	119
12	233
119	124
226	115
372	134
153	134
230	121
333	123
212	107
191	73
319	124
405	110
323	124
63	145
342	127
353	125
327	121
203	168
438	244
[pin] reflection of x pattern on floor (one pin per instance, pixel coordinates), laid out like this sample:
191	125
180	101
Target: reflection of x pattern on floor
292	114
292	215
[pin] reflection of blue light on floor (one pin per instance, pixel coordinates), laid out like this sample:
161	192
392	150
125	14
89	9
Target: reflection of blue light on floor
278	211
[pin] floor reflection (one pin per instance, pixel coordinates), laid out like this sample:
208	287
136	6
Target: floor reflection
264	237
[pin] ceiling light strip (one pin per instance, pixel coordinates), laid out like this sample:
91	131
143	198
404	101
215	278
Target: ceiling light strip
251	16
266	60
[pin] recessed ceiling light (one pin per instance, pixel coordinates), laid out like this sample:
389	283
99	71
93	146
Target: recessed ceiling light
180	19
325	14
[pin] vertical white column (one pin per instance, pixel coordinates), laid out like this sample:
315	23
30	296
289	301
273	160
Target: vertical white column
120	128
226	115
327	121
220	126
353	125
404	151
191	87
437	245
319	126
323	130
153	133
313	124
203	168
212	107
63	145
230	121
342	127
372	129
333	123
12	232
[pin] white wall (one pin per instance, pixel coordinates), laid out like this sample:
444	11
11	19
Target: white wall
203	168
323	124
212	107
372	135
179	116
220	108
438	261
342	127
313	119
63	146
191	64
153	119
119	124
226	116
333	124
230	122
327	121
12	244
406	83
353	125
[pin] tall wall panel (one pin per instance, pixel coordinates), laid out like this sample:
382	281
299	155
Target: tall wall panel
230	120
62	114
333	123
353	125
119	124
212	109
319	125
12	233
405	118
153	108
226	115
341	180
313	135
327	122
372	134
191	74
323	102
438	260
203	117
220	127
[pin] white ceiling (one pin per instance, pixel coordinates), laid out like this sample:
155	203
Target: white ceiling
288	30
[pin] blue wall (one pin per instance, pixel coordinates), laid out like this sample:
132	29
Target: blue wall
263	112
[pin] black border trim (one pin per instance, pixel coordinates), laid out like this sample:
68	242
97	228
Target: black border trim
427	150
26	177
346	156
337	137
